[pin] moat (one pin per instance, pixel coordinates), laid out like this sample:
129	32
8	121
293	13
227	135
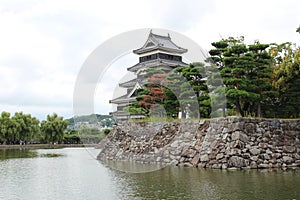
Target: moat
74	173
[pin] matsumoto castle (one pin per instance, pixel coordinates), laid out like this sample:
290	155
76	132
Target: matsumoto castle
158	52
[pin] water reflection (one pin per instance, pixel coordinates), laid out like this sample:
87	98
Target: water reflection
17	153
133	167
6	154
192	183
77	175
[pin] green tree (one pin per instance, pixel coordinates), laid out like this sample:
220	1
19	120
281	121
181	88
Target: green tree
217	90
259	78
20	127
194	91
245	70
234	73
286	79
72	137
214	78
171	103
135	109
183	89
24	127
53	128
4	127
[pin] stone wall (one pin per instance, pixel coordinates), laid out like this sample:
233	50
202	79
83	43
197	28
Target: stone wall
217	143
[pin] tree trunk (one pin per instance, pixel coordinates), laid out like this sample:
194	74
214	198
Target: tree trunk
238	107
259	109
183	113
224	110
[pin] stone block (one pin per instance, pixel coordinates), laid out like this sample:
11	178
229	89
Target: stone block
185	152
174	162
255	151
224	166
254	158
246	155
195	160
204	158
235	152
225	130
268	151
219	156
224	137
216	166
175	144
197	147
202	165
263	166
239	135
287	159
236	161
191	153
253	165
187	164
289	149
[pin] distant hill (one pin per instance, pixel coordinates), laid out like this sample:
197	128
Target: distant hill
93	119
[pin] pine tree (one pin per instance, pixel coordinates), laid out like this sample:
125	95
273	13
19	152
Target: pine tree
194	93
214	78
260	77
245	70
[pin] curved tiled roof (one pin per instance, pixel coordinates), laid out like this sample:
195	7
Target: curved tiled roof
159	42
129	84
123	99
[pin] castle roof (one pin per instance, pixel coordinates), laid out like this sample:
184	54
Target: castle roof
159	42
123	99
129	84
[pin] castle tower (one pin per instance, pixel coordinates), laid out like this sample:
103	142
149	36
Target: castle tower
158	52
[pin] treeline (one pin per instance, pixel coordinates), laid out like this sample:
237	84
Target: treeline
25	129
254	80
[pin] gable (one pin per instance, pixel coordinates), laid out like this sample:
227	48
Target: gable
137	86
150	44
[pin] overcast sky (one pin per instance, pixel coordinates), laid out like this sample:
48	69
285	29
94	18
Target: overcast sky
44	43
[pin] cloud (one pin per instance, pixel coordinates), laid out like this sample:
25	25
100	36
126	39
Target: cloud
44	43
180	15
267	21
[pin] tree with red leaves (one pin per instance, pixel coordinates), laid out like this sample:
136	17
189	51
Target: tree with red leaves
154	95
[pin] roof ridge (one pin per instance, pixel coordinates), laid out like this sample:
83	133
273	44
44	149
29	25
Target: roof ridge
160	42
162	36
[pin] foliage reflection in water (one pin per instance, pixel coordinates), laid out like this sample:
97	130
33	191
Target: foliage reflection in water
17	153
191	183
24	153
77	175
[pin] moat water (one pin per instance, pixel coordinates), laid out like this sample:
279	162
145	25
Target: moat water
74	173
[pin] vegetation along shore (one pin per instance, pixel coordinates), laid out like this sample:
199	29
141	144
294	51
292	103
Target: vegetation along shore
22	129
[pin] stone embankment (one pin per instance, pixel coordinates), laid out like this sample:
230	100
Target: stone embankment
217	143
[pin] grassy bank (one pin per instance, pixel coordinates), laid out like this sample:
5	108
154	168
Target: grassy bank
45	146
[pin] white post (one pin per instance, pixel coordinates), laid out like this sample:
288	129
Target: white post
179	115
